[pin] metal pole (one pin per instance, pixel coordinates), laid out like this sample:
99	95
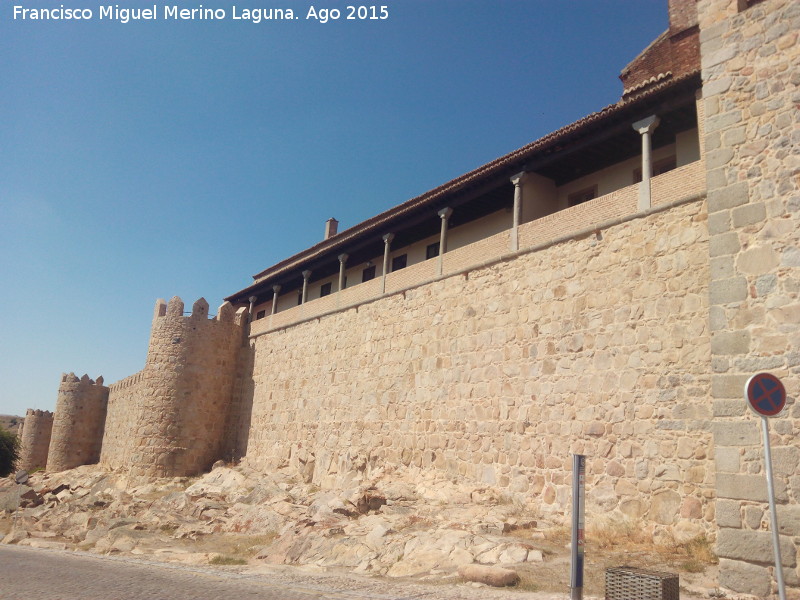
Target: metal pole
773	516
577	541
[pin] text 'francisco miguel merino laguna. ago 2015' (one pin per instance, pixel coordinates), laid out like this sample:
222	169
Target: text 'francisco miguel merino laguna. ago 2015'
200	13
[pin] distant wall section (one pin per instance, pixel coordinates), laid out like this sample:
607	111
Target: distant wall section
35	439
170	419
78	423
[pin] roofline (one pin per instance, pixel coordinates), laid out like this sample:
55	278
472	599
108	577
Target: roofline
520	156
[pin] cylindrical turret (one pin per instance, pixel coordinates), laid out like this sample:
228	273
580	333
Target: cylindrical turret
35	439
78	423
182	395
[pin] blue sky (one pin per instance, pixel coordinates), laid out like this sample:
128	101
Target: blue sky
159	158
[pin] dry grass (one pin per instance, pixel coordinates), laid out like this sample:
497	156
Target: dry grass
227	560
233	545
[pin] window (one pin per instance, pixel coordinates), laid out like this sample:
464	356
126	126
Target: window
399	262
659	168
325	289
261	314
368	273
299	297
582	196
344	283
432	251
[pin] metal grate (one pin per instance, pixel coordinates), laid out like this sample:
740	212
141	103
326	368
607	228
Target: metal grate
630	583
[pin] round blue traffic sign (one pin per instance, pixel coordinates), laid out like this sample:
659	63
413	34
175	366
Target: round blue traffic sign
765	395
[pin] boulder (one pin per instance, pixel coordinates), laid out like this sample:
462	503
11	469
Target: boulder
494	576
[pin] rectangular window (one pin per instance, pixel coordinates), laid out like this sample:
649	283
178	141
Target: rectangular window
261	314
399	262
368	273
432	251
325	289
582	196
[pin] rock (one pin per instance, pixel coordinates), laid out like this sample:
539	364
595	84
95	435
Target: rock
15	536
494	576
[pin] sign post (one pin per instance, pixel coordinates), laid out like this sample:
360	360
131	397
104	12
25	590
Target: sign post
578	525
766	397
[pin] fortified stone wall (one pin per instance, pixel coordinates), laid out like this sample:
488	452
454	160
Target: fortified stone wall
596	345
170	419
35	439
78	423
751	72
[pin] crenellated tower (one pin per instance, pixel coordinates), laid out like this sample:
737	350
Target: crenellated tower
78	423
169	419
35	439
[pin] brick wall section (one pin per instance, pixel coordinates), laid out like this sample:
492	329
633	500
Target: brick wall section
35	439
750	72
78	423
499	373
676	51
172	417
684	183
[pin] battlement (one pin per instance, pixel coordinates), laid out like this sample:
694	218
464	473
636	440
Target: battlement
174	309
38	413
127	382
71	378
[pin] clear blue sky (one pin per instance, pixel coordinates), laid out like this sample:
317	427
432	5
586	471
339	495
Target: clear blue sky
151	159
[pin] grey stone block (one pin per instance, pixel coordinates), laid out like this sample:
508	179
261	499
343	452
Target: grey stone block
726	460
728	386
755	546
744	577
728	407
748	214
748	487
727	197
789	519
723	244
719	222
730	342
728	514
728	290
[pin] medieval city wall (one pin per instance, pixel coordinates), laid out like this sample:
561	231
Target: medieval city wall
78	423
751	86
170	419
35	439
596	345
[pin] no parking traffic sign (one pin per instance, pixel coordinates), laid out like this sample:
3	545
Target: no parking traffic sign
765	395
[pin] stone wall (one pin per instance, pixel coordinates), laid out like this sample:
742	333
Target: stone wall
597	345
78	423
170	419
35	439
750	59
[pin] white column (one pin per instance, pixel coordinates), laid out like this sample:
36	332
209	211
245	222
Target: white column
342	263
646	127
517	180
444	215
252	300
276	289
306	276
387	248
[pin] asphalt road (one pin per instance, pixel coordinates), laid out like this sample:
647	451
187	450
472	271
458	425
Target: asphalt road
36	574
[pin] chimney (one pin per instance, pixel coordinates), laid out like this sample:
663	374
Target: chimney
331	227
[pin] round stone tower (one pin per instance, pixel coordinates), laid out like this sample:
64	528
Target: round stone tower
35	439
184	392
78	423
